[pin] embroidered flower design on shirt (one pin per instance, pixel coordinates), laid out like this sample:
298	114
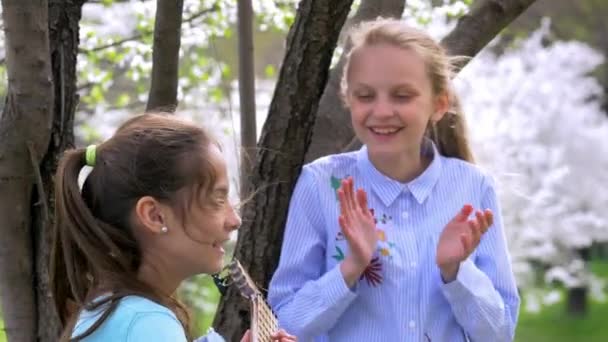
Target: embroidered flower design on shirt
373	272
336	183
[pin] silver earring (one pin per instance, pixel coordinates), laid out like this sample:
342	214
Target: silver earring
164	230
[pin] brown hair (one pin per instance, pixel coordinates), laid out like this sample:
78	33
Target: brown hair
449	133
94	250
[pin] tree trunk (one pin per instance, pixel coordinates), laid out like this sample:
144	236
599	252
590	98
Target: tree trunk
281	149
48	128
64	18
246	92
474	31
165	56
577	296
333	118
25	134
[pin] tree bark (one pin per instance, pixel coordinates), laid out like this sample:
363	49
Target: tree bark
165	56
484	21
281	149
333	118
246	92
64	30
474	31
37	127
576	305
25	134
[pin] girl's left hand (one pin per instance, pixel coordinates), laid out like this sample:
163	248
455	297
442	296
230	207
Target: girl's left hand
283	336
459	239
280	336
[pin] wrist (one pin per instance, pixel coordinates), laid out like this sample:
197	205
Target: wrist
449	272
351	271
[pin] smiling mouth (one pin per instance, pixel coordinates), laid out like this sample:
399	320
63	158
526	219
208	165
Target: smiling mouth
385	131
219	246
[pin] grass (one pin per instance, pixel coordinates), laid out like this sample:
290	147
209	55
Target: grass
552	324
2	334
555	325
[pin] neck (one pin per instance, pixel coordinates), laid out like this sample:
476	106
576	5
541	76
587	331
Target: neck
403	167
159	277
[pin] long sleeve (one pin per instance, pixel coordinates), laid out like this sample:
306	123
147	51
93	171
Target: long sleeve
484	296
308	301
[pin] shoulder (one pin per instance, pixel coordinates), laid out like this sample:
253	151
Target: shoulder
337	165
135	319
465	171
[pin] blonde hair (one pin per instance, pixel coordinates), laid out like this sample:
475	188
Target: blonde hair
449	133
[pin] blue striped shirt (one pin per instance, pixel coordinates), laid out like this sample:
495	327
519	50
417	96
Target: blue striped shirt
401	296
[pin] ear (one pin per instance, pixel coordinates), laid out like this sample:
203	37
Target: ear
149	213
442	104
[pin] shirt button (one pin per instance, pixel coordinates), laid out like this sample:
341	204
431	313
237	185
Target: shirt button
413	264
405	214
412	324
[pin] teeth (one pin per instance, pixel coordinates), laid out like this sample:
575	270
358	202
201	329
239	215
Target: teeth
384	130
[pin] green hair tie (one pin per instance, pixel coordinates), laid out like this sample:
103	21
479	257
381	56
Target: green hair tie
90	155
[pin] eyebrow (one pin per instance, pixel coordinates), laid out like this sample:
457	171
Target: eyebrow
399	85
222	190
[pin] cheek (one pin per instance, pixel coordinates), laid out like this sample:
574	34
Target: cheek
358	113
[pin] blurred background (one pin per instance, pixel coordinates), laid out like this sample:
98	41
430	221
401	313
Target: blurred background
535	101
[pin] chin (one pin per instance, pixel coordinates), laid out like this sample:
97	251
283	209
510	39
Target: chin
216	268
384	150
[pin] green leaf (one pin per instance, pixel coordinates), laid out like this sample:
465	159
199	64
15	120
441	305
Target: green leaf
269	71
339	254
123	100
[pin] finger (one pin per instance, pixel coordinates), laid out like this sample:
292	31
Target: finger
345	227
247	336
282	335
483	223
464	213
351	195
475	232
347	199
466	244
342	200
344	210
489	217
362	200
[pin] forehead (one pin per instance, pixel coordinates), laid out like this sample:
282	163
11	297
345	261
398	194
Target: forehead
383	65
217	161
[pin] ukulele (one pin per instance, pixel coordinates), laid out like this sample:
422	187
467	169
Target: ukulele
263	321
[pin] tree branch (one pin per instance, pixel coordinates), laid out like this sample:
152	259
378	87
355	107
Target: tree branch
246	92
484	21
147	33
165	56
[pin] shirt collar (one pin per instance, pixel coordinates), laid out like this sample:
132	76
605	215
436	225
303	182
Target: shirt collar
388	189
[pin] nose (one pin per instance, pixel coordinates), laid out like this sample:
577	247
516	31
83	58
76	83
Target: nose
234	220
383	108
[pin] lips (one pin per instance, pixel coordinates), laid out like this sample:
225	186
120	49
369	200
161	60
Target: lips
219	246
385	130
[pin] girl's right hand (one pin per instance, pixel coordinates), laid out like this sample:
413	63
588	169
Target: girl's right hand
359	229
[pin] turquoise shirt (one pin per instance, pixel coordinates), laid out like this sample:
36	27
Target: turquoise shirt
137	319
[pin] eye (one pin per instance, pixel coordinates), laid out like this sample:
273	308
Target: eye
364	97
402	96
